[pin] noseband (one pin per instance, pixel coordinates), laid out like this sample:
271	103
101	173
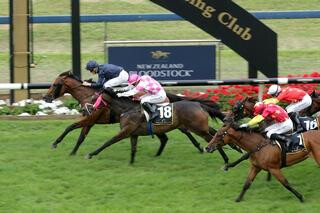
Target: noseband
225	133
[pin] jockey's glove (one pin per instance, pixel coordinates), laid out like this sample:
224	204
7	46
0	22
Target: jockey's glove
244	126
120	95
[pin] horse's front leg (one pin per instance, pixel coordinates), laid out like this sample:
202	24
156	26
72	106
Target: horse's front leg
252	174
124	133
84	132
233	164
66	131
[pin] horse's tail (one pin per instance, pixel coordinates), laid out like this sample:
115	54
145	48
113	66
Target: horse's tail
213	112
209	106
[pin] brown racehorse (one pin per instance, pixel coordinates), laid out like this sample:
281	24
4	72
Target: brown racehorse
186	115
68	83
315	105
264	154
244	108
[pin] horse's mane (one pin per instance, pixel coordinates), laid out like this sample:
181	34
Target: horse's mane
314	94
70	74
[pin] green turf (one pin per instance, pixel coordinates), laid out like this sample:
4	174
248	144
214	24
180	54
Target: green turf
35	178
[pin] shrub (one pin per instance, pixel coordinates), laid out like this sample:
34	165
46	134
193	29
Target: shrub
72	103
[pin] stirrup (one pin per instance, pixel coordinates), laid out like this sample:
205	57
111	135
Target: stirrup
88	107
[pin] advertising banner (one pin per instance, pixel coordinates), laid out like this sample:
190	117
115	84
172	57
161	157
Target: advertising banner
167	63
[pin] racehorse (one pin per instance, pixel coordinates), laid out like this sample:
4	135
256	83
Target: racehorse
185	115
314	107
68	83
264	154
244	108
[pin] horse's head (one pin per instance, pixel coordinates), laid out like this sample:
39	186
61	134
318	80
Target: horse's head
61	85
225	135
315	105
219	139
243	108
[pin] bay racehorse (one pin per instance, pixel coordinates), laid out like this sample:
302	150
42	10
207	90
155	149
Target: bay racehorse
68	83
314	107
265	155
187	115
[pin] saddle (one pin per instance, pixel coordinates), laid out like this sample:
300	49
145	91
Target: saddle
164	113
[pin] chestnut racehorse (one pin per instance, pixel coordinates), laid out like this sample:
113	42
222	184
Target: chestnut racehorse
266	155
68	83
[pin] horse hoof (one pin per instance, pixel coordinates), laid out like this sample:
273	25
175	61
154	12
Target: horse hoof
88	156
238	200
72	154
224	168
301	199
201	150
53	146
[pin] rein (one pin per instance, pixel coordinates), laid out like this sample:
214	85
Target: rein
255	149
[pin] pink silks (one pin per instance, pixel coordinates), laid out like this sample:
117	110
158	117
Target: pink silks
98	102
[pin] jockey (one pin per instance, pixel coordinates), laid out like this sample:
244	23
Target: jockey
109	75
150	88
297	99
276	113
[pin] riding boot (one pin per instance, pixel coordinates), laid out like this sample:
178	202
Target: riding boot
151	111
280	138
294	116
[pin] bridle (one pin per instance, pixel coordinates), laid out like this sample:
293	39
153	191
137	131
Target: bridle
226	133
57	87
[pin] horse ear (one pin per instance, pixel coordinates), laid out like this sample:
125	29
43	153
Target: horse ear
313	93
252	99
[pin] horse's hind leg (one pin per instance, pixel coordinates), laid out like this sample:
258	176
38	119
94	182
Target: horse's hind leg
192	139
84	132
252	174
277	174
124	133
163	142
66	131
134	141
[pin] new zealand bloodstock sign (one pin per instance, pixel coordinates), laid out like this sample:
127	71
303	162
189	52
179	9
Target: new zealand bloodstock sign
234	26
173	63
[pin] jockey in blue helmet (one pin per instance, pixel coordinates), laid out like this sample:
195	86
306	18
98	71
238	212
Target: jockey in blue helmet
109	75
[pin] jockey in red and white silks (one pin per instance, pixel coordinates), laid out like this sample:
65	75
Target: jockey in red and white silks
297	98
262	111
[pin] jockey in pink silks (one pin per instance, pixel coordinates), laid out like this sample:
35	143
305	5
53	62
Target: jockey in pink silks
152	91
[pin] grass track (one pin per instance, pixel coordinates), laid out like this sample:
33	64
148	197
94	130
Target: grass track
35	178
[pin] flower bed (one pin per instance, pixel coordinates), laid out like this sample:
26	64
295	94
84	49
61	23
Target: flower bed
226	96
39	107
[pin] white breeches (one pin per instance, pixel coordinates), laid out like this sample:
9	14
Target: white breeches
298	106
279	128
155	99
122	78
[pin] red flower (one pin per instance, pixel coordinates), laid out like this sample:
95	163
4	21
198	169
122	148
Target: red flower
214	98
